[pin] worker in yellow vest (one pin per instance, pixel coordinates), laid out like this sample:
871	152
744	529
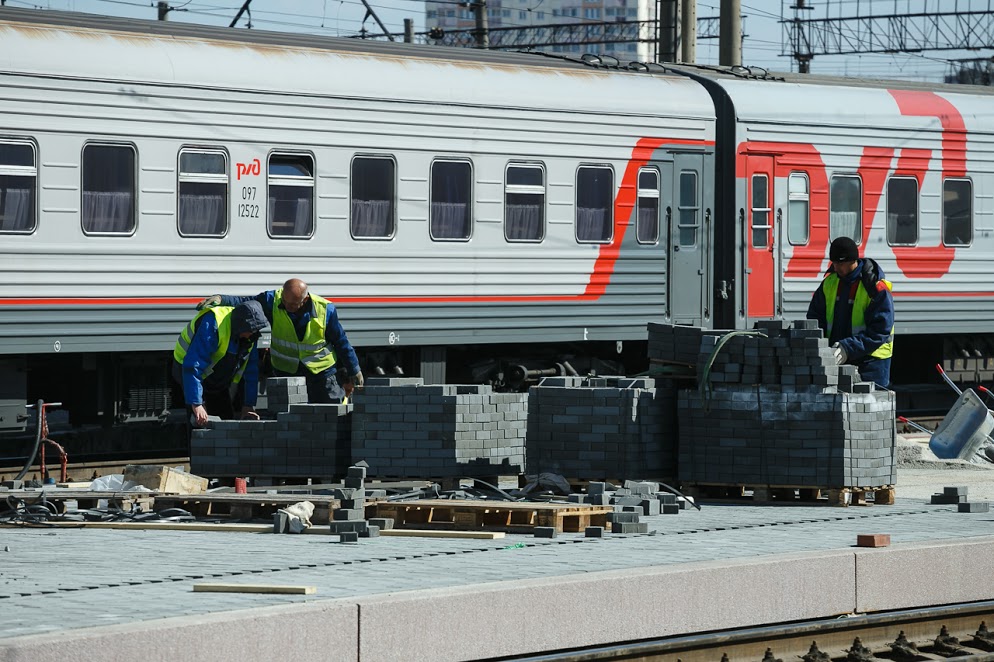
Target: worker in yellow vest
855	309
215	352
308	340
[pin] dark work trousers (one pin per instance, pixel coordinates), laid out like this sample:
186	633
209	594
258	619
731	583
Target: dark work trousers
322	388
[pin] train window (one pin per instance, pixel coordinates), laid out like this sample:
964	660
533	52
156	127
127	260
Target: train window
203	194
524	202
291	195
760	211
373	190
18	187
902	211
594	197
845	217
798	209
108	189
689	207
957	212
647	209
451	200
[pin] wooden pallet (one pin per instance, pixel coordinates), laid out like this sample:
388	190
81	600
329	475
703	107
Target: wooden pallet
792	494
64	499
246	506
514	517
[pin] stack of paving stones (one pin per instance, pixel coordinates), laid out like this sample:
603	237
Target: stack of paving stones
635	500
305	440
958	495
405	429
779	411
592	428
349	519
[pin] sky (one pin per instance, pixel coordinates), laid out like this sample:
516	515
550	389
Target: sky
761	25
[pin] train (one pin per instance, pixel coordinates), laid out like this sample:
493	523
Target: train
474	215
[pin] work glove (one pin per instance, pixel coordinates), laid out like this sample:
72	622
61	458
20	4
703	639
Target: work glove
840	353
209	302
358	380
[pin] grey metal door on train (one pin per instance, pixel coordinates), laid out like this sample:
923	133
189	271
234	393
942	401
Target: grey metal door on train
687	242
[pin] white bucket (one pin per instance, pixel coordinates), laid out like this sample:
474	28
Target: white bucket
964	430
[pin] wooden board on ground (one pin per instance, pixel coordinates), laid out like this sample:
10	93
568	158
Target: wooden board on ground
437	533
161	478
74	499
254	588
792	494
152	525
513	516
247	506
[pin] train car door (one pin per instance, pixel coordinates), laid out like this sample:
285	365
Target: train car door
688	242
762	268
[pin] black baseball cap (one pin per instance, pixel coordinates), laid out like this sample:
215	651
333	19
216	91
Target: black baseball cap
843	249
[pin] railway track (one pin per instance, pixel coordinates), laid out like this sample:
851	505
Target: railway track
951	632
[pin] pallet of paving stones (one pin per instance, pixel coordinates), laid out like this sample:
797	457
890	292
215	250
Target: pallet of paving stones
513	517
247	506
785	494
64	500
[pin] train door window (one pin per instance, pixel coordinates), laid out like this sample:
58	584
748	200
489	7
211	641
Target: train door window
373	191
18	187
109	180
524	202
647	209
203	194
957	212
902	211
798	209
688	208
594	197
760	211
291	195
845	214
451	200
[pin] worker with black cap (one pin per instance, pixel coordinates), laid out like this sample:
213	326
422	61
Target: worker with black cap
214	352
855	310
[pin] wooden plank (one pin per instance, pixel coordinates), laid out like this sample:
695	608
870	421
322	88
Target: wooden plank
165	479
254	588
439	533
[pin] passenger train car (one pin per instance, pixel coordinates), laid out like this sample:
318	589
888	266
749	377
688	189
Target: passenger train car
474	215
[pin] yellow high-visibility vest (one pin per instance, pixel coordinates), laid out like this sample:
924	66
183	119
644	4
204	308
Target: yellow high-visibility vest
830	286
286	352
222	315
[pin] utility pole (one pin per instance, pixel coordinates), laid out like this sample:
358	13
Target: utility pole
163	10
669	26
482	26
803	58
688	31
730	38
408	30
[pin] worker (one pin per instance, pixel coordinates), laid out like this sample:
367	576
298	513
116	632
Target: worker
215	351
308	340
855	309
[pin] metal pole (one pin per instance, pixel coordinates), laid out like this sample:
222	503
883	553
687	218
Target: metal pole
241	11
688	30
370	12
730	33
668	24
163	10
482	25
408	30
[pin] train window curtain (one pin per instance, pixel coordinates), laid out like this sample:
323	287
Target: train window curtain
373	190
524	203
594	194
203	194
18	186
108	189
647	218
845	214
451	200
902	211
957	212
291	195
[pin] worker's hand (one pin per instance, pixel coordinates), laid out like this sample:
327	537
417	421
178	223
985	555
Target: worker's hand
249	413
199	416
358	380
209	302
840	353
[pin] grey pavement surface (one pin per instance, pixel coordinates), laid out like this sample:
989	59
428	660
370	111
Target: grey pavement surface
63	581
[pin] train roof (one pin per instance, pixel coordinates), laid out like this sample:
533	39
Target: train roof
91	47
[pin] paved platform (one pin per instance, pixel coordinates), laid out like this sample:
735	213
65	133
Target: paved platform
108	595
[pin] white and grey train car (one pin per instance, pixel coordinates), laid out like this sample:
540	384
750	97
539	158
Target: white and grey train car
463	209
906	170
